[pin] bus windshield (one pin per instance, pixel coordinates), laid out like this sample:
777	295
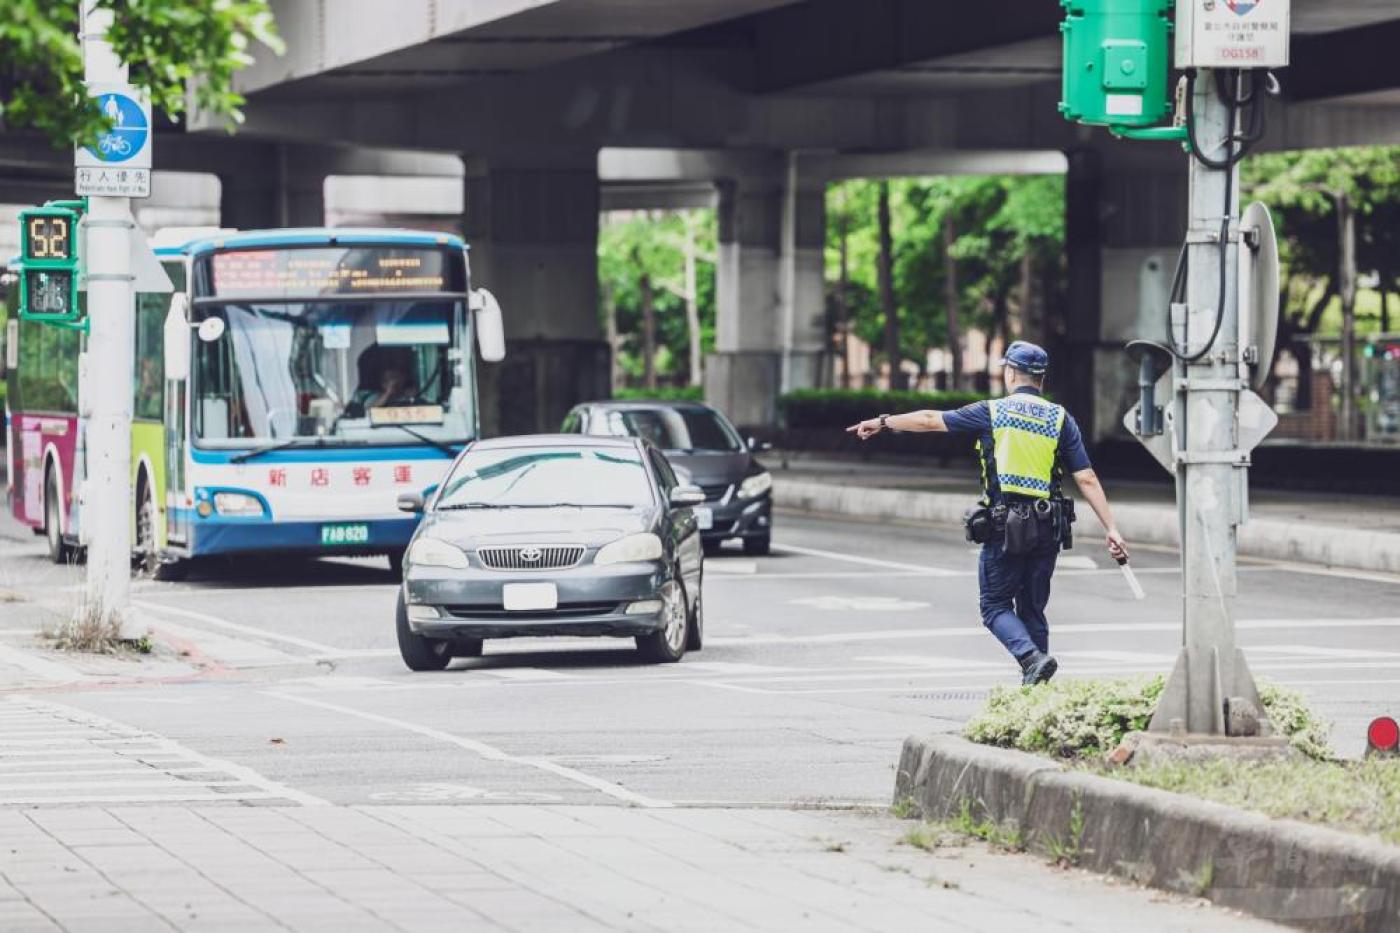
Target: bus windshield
354	372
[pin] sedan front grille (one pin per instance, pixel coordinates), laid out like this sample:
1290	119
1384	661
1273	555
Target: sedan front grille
531	557
716	492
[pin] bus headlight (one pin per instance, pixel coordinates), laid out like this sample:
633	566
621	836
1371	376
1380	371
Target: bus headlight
237	503
755	485
435	552
629	550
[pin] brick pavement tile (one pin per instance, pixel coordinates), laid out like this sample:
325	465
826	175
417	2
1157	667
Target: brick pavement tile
473	822
523	910
464	881
546	822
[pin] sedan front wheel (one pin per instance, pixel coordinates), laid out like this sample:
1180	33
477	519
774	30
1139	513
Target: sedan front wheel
419	653
667	644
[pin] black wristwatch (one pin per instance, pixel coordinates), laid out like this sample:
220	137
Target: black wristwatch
884	423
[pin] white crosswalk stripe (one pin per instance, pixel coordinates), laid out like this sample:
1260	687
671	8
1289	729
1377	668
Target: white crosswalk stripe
55	754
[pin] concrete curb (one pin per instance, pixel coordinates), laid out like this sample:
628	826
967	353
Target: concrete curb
1302	542
1281	870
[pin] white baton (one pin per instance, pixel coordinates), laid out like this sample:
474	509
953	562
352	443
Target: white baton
1131	578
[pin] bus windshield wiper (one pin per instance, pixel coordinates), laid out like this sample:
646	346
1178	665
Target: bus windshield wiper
440	445
276	446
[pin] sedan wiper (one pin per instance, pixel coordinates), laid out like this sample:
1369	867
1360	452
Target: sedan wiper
440	445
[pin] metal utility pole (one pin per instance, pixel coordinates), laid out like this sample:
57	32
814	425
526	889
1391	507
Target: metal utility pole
1211	471
106	494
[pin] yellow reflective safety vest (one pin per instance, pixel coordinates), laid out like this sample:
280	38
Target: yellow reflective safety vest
1025	439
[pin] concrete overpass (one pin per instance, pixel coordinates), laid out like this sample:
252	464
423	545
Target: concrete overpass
755	104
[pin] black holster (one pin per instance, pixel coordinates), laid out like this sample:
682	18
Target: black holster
978	525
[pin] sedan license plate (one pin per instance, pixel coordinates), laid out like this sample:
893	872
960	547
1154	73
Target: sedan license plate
705	518
529	597
332	535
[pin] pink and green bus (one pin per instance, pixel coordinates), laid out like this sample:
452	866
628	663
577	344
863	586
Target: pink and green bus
295	383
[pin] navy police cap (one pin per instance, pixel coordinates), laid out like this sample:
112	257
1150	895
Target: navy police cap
1027	357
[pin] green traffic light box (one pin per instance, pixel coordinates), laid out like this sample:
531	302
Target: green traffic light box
1116	61
48	267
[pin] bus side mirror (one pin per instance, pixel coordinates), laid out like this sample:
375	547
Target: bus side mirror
177	339
490	329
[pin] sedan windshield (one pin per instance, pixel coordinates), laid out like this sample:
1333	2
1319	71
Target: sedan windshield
333	373
670	428
542	477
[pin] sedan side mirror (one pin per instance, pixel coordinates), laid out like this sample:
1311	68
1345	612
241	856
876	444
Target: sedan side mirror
411	502
685	496
758	446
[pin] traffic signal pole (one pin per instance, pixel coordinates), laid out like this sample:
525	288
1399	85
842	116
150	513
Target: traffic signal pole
106	507
1210	673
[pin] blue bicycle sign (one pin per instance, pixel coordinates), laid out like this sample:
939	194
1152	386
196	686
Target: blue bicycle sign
129	133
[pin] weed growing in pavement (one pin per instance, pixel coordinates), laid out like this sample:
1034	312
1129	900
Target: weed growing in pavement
85	630
930	836
835	847
905	809
1067	852
1088	718
1002	835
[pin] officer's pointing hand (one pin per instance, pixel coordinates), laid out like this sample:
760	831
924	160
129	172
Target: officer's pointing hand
865	429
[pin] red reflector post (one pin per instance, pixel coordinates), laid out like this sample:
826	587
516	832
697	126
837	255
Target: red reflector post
1383	735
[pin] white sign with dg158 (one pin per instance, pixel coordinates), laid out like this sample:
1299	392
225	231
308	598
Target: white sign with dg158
1232	33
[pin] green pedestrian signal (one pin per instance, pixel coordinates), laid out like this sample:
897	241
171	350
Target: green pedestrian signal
48	264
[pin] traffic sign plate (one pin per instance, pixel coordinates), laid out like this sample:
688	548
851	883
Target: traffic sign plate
118	164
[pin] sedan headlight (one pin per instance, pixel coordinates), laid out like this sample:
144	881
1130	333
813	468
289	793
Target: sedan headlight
755	485
629	550
435	552
237	503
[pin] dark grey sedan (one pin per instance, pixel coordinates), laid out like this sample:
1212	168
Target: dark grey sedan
553	535
705	449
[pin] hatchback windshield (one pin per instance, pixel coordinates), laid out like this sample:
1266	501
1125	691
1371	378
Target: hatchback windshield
685	429
541	477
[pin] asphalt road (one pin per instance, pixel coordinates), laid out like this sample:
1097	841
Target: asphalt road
819	660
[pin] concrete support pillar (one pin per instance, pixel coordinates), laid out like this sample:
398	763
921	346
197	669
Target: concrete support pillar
770	293
533	233
277	188
1125	218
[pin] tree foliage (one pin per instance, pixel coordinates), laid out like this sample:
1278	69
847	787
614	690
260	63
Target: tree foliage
175	49
633	244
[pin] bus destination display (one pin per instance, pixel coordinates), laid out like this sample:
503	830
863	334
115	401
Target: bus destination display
307	273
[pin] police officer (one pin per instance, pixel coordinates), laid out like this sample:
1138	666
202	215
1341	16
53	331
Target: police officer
1024	443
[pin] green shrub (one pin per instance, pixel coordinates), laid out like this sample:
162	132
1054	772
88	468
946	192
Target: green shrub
832	408
1088	718
663	394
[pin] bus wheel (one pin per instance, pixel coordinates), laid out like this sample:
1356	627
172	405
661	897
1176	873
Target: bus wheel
147	554
59	552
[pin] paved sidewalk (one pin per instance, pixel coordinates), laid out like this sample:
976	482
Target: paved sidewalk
534	868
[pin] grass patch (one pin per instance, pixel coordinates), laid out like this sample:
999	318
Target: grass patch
89	632
1079	719
1357	796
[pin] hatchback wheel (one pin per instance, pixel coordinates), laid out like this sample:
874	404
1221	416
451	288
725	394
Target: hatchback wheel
419	653
695	635
667	644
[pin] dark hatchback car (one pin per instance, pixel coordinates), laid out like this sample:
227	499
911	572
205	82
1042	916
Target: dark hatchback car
552	535
706	450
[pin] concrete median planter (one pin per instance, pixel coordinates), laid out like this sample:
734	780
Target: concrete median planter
1294	873
1148	524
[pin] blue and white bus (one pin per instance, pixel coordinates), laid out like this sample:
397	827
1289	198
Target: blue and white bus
306	377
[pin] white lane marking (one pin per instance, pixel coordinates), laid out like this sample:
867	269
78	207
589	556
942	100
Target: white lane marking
859	603
1077	562
42	668
732	668
1125	657
488	752
253	630
521	673
1316	651
139	798
732	566
928	661
154	748
867	561
184	591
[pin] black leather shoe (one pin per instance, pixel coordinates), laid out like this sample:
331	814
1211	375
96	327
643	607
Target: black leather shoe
1037	668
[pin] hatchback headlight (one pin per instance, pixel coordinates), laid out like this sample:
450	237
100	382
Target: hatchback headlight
629	550
237	503
755	485
435	552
